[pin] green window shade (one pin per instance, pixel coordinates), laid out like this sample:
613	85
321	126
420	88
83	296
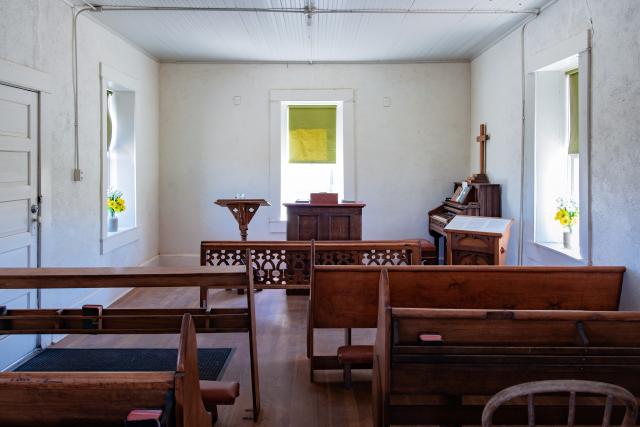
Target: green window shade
109	121
312	134
574	112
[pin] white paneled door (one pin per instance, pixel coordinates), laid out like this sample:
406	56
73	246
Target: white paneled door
18	205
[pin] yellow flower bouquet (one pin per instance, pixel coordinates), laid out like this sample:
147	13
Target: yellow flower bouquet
115	203
567	213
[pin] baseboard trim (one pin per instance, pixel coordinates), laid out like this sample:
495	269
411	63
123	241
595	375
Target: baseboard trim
179	260
154	261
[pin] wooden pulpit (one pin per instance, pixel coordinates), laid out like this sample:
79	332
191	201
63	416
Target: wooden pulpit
316	221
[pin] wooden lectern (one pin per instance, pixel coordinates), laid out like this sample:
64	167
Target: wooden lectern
477	240
243	211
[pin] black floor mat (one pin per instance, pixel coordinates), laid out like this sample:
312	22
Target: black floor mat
211	361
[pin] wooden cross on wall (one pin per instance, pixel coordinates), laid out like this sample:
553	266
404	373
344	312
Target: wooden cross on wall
482	139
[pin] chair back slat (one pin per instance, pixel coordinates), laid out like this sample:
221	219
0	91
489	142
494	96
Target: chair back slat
572	409
531	411
611	391
606	419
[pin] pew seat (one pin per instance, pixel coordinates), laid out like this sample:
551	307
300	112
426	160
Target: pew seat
428	253
354	355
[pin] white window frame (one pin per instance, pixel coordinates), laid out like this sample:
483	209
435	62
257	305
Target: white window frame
546	254
112	241
280	97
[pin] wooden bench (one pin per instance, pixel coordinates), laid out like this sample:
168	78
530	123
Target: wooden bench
439	366
346	297
106	398
287	265
95	320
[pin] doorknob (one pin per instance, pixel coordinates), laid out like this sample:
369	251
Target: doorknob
34	213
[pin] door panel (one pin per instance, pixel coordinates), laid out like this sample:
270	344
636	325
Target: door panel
18	192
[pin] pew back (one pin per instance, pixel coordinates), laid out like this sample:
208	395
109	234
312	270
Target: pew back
79	398
347	296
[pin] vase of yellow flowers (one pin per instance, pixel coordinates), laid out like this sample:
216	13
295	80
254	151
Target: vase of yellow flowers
567	216
115	204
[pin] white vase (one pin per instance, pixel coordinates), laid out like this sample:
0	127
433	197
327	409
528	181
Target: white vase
567	239
112	224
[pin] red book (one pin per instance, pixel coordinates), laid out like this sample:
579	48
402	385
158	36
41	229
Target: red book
430	338
144	414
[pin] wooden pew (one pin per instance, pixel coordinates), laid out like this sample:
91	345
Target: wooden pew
135	320
287	265
483	351
346	297
105	398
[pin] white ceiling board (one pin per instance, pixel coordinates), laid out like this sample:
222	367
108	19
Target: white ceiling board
332	37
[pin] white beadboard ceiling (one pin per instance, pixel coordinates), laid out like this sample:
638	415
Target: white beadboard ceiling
332	36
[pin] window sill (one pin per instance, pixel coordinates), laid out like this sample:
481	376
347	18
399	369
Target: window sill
120	238
554	253
559	248
277	226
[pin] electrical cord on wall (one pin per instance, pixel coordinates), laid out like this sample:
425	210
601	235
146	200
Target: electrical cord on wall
522	142
77	172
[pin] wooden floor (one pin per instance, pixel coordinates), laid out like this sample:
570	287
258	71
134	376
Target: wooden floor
288	397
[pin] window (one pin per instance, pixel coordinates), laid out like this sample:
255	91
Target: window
312	151
556	165
118	158
556	155
121	152
302	156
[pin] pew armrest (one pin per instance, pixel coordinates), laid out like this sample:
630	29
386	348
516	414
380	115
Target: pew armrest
218	393
355	354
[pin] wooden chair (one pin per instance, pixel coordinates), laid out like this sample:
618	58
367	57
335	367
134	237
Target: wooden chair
529	390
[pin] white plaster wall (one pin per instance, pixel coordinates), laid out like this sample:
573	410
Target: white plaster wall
615	145
407	155
37	34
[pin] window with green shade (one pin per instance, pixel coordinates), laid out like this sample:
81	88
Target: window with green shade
312	134
574	112
109	119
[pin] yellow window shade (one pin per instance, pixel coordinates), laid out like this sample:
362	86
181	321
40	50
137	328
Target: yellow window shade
312	134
